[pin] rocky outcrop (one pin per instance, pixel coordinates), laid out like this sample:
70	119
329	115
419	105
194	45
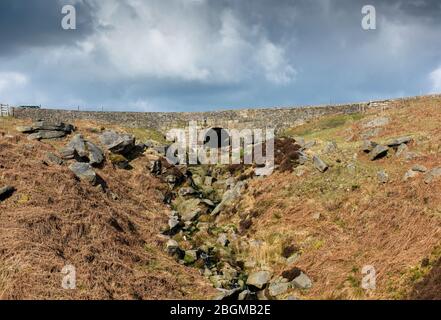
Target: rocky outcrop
84	171
117	142
83	150
43	130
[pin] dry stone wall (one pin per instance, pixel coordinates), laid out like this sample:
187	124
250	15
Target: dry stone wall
247	118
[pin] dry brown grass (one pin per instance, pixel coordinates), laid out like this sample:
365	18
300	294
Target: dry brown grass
53	220
392	227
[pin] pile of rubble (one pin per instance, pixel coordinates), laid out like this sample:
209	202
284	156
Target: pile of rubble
197	196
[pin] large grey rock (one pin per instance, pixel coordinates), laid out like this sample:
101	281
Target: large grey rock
84	149
117	142
185	191
396	142
244	295
309	145
303	158
189	209
432	175
302	282
229	197
330	147
382	176
54	158
173	221
378	152
171	247
401	150
96	155
377	122
48	126
419	168
259	279
276	289
224	294
78	144
84	171
46	135
319	164
5	192
368	146
25	129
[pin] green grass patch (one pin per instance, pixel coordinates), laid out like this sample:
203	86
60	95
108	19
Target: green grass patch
143	135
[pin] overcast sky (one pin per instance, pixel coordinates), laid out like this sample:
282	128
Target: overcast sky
192	55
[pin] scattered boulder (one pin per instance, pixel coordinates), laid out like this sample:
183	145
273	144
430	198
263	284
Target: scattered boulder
118	160
25	129
368	146
319	164
51	157
432	175
259	279
48	126
43	130
245	295
302	282
96	155
300	141
370	133
84	171
172	248
382	176
402	149
309	145
117	142
330	147
83	150
378	152
377	122
276	289
396	142
190	256
186	191
188	209
227	295
46	135
419	168
229	197
6	192
173	222
410	174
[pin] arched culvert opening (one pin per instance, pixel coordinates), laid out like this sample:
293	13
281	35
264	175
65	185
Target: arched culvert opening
216	138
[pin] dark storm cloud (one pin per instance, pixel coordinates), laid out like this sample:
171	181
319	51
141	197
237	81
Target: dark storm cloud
29	23
201	54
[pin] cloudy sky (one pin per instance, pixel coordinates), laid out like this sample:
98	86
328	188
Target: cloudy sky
191	55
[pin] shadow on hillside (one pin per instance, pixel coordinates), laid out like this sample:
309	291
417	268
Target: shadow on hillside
430	287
